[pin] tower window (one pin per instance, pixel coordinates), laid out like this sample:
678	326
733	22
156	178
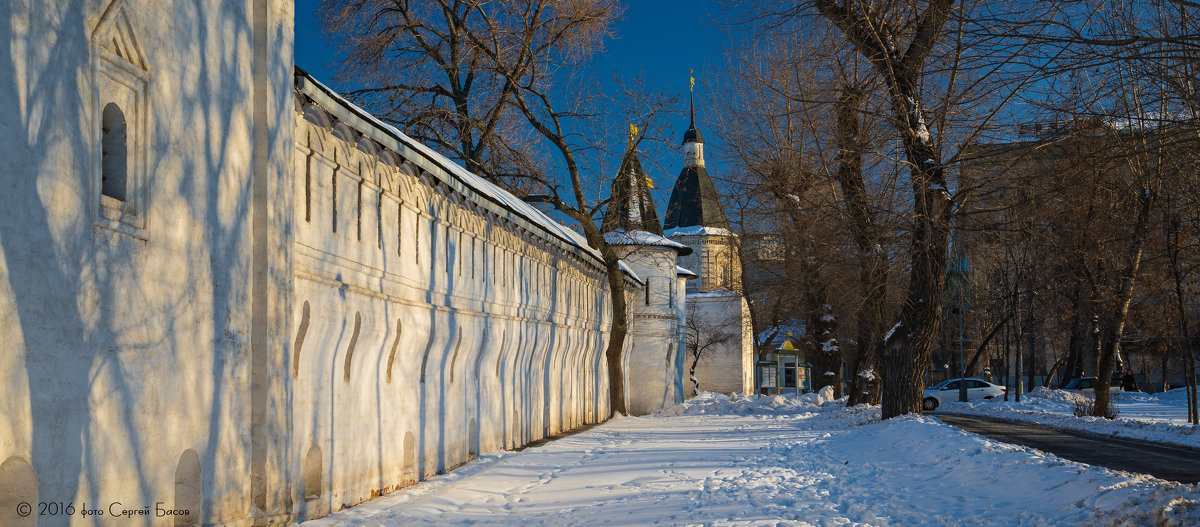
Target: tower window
119	161
114	153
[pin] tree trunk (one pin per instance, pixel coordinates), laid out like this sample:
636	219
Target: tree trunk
1019	356
906	354
1116	326
616	340
1078	338
1185	332
1007	346
1054	371
1164	371
822	330
1190	374
983	346
872	262
692	374
1033	362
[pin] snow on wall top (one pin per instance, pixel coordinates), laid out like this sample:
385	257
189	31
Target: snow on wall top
698	230
623	237
680	271
474	184
716	293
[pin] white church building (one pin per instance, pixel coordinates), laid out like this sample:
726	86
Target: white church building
719	325
231	297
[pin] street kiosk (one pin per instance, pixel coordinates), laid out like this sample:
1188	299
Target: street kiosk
783	371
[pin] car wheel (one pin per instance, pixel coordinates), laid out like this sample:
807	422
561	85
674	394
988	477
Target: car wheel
929	404
990	397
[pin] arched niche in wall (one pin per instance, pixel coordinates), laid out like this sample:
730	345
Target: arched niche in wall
18	493
309	136
411	474
419	197
188	489
407	179
114	152
317	124
368	153
458	338
313	471
348	138
395	348
473	439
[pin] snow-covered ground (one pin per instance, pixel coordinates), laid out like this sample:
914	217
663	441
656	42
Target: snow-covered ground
1160	417
778	461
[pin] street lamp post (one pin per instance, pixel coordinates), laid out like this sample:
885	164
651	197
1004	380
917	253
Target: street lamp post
962	363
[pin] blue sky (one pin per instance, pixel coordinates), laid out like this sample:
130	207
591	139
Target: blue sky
657	41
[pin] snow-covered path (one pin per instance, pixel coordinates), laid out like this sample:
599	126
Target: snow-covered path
771	461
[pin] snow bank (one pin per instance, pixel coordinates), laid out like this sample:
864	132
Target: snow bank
738	404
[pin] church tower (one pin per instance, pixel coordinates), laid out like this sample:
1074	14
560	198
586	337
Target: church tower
695	219
654	358
716	307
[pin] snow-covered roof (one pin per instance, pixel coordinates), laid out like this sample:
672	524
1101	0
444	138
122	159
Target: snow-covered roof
680	271
698	230
456	176
623	237
779	333
716	293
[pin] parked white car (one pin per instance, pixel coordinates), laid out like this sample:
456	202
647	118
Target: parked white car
947	391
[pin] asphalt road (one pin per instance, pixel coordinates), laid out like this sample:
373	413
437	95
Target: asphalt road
1130	455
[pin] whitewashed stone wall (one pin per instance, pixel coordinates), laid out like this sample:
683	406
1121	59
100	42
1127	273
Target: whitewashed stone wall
131	340
715	259
428	328
728	365
719	315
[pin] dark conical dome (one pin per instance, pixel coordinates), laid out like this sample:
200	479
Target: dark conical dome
694	201
632	207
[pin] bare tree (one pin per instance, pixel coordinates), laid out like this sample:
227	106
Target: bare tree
479	79
703	335
520	50
896	39
804	134
421	67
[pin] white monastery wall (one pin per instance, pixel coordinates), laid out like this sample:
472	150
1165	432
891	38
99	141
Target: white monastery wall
128	355
429	328
653	363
